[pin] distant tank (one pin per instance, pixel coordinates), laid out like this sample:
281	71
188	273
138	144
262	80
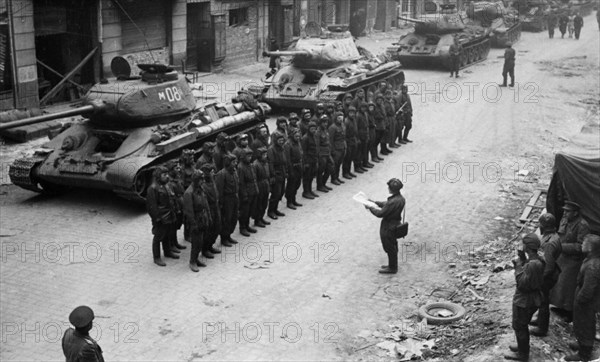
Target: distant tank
133	125
533	16
429	44
503	23
324	66
583	7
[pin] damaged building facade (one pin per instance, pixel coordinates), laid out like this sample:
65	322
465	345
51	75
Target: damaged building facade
54	50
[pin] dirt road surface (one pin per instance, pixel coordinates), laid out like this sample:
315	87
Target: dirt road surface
319	297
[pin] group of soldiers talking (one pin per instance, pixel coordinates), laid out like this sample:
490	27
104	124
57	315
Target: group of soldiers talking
228	185
566	274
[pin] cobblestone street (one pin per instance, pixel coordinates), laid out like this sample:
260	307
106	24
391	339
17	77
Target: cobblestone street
320	287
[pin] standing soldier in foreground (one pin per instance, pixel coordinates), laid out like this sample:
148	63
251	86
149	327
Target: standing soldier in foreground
162	210
337	140
551	24
390	212
362	132
455	51
551	248
212	196
311	161
293	154
572	230
587	300
278	171
407	112
228	188
577	24
509	65
248	192
325	166
77	344
197	212
529	275
263	180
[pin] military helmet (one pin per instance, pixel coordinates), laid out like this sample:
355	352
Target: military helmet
81	316
395	185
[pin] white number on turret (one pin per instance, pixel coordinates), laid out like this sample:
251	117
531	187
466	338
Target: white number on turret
170	94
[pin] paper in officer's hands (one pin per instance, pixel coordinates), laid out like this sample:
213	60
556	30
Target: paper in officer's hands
362	198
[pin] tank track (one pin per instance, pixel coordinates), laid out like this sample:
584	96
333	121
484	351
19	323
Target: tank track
475	53
20	173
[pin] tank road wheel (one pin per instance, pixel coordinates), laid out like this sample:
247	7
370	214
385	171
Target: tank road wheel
464	59
142	181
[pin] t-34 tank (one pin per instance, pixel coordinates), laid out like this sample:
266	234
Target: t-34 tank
133	125
324	66
429	44
503	23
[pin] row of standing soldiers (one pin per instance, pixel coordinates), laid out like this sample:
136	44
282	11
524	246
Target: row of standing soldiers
230	184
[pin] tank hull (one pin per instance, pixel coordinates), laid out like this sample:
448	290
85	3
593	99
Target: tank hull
119	160
433	51
304	90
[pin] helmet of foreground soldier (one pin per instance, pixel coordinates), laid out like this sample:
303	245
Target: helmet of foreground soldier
395	185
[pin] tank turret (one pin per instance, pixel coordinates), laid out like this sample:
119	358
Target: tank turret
132	125
503	23
158	95
440	24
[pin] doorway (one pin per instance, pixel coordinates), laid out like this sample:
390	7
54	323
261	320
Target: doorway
200	38
64	35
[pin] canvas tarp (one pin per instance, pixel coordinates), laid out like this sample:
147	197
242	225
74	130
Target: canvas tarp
576	177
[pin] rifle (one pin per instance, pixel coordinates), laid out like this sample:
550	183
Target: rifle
400	110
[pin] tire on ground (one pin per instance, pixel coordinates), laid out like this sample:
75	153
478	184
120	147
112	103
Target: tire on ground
458	310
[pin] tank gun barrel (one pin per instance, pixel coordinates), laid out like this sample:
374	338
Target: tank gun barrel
411	20
285	53
90	108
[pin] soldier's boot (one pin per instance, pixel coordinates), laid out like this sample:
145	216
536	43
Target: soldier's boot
172	256
538	332
308	195
244	232
250	229
179	246
290	205
207	254
271	212
405	138
522	353
259	223
265	222
200	264
214	251
194	267
295	202
159	262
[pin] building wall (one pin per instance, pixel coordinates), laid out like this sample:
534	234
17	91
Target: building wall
25	60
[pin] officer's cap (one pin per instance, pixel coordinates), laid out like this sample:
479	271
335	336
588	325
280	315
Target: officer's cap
281	120
207	167
570	205
242	136
262	150
81	316
324	118
293	115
